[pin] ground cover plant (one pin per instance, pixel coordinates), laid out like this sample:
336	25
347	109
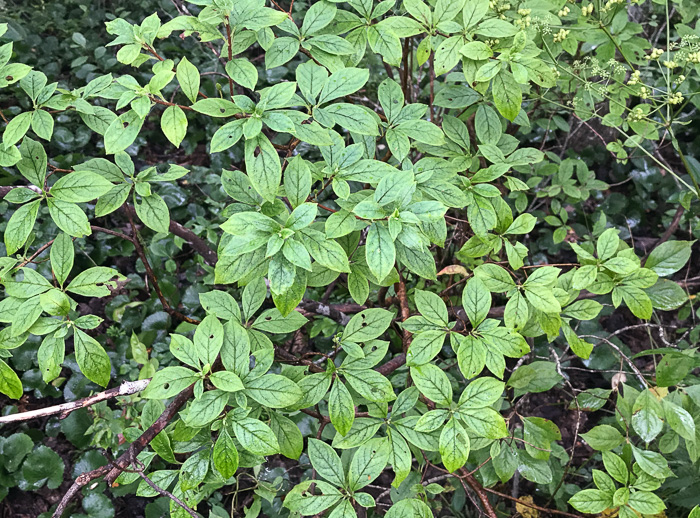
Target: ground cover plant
399	258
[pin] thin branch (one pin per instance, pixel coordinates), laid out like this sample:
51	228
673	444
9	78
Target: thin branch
168	494
125	389
126	458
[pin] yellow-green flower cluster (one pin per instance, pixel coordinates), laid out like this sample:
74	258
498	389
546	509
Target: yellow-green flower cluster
675	98
655	54
586	10
636	115
634	78
561	35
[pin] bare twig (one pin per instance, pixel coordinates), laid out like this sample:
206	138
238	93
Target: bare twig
125	389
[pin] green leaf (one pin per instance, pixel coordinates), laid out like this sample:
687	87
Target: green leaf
154	213
669	257
208	339
26	314
326	462
607	244
227	381
255	436
94	282
273	391
272	321
206	408
454	445
343	82
62	256
476	300
380	251
646	503
326	252
16	128
591	501
367	325
523	224
507	95
542	298
679	420
369	461
69	217
353	118
603	437
33	163
225	455
169	382
188	77
112	200
217	108
220	304
341	408
494	277
288	436
432	383
81	186
432	307
242	72
481	393
425	346
281	51
297	181
10	385
306	503
474	11
20	225
50	357
615	467
122	132
173	122
92	358
318	16
263	166
370	384
42	124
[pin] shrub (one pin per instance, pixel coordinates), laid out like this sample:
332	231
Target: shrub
335	258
